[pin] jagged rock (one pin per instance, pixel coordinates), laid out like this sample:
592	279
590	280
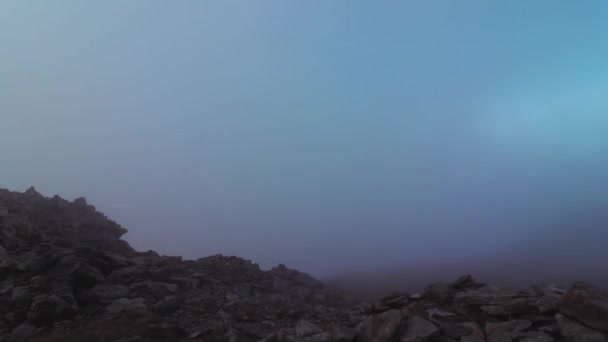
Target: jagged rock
494	310
439	291
510	328
47	309
464	282
242	290
166	305
342	334
382	327
124	304
6	286
22	331
3	212
586	304
536	336
417	329
573	331
65	275
306	328
107	293
487	295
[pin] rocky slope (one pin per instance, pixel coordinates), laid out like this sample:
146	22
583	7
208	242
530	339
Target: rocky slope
65	275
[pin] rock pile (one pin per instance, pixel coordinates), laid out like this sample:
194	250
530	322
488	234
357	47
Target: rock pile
65	275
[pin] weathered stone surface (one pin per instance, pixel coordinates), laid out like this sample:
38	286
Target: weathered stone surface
586	304
418	329
130	305
511	328
105	293
382	327
573	331
47	309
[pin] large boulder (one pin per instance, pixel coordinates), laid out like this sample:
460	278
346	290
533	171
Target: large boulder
48	308
384	327
417	329
587	305
573	331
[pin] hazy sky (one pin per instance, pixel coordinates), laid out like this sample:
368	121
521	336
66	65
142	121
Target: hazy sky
327	135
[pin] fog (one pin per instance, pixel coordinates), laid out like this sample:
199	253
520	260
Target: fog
334	137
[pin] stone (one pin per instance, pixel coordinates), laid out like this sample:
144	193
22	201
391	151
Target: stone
20	295
573	331
107	293
417	329
242	290
487	295
47	309
22	331
510	328
136	305
440	291
381	327
463	282
587	305
6	286
281	284
306	328
494	310
536	336
342	334
167	305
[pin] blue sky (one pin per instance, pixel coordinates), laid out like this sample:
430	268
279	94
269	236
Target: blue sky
326	135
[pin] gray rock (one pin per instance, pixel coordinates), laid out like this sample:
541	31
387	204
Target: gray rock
439	291
6	286
536	336
47	309
22	331
587	305
124	304
380	328
487	295
166	305
342	334
242	290
107	293
508	328
3	212
20	295
417	329
573	331
306	328
471	338
281	284
495	310
321	337
464	282
185	282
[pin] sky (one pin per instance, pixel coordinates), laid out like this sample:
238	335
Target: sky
326	135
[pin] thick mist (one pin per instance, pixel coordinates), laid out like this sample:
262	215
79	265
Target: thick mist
334	137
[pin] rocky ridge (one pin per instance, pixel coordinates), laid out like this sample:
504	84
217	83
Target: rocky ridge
65	275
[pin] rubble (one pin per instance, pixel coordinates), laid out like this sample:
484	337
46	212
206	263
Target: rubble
65	275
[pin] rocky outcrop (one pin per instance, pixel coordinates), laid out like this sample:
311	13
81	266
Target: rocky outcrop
65	275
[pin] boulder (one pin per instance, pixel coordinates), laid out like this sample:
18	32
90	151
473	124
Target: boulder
382	327
573	331
587	305
48	308
417	329
107	293
136	305
306	328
